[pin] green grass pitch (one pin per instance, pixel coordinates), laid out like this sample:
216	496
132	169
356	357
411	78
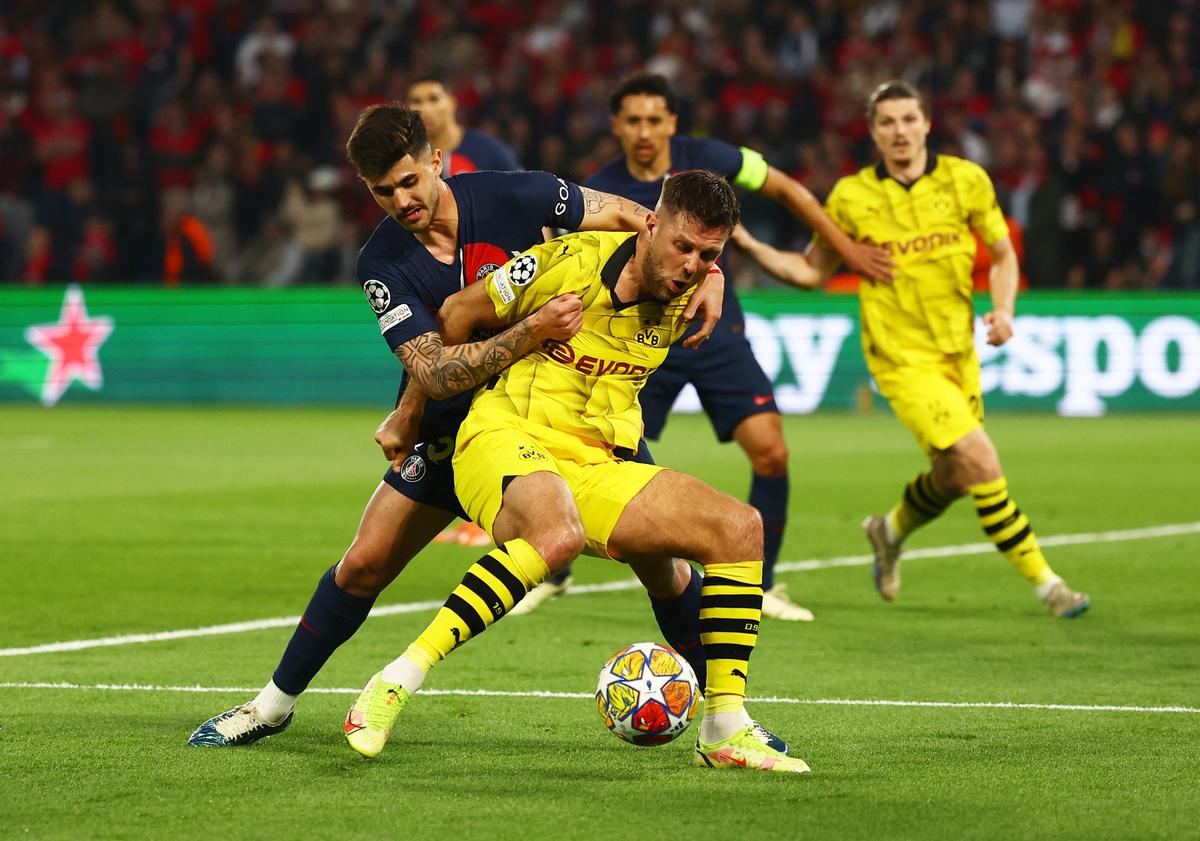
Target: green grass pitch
117	521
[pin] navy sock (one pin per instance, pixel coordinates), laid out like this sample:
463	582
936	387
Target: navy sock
679	621
331	618
769	494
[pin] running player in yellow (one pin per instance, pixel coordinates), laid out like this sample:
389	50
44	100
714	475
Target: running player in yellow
535	463
918	332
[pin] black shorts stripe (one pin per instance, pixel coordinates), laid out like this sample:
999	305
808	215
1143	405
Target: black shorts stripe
460	608
727	651
1015	540
753	602
985	510
911	498
1003	524
726	582
504	575
728	626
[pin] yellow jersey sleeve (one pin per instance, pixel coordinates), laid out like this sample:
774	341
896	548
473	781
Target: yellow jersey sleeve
983	215
537	276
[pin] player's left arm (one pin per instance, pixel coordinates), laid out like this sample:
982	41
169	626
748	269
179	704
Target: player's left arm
863	258
1003	283
787	266
444	368
606	212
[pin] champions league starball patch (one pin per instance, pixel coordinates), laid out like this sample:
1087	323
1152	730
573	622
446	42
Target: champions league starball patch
378	295
522	269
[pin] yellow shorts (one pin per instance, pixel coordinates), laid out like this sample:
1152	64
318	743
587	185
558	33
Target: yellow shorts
940	402
494	448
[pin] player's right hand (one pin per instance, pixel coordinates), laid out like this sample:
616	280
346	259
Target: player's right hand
559	319
871	261
396	437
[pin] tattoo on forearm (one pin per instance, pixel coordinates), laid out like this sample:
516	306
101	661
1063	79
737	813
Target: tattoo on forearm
595	201
444	371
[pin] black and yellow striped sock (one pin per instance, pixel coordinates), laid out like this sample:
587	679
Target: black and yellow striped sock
491	587
1009	529
730	610
922	501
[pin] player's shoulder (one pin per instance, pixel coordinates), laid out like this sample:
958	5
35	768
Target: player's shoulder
386	250
702	153
954	168
862	182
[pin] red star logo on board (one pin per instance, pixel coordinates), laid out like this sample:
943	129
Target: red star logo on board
72	345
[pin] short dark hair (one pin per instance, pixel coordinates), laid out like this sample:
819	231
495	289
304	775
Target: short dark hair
428	79
382	136
894	89
703	195
650	84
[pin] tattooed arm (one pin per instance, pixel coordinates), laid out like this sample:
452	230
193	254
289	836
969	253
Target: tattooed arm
606	212
443	367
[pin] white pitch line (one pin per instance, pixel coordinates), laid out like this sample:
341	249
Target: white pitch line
492	693
1170	530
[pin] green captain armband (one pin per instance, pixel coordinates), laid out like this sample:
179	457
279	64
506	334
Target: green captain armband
753	173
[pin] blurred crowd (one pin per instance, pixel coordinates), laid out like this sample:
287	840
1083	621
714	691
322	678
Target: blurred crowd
192	141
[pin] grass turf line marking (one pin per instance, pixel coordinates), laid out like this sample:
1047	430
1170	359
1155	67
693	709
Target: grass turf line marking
1170	530
491	693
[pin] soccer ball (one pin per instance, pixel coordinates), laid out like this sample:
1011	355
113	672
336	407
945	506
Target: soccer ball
647	694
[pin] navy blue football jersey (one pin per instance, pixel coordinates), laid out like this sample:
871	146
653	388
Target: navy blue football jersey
500	214
477	152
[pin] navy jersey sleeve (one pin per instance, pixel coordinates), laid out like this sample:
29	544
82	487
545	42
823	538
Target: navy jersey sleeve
397	306
551	200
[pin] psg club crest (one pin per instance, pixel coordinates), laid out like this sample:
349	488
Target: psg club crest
378	295
413	469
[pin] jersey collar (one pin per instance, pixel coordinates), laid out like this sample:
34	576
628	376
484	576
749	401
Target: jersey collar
882	174
611	271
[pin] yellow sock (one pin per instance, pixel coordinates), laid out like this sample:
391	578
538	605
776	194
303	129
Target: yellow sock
491	587
730	610
1009	529
921	502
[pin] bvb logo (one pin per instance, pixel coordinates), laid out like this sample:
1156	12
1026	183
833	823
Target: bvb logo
530	454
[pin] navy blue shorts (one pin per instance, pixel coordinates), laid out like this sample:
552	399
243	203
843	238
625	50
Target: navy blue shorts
427	476
731	384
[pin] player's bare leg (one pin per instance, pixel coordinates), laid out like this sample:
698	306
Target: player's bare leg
676	516
393	529
761	437
537	530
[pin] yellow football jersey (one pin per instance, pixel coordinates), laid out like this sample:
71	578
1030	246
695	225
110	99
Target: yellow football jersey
587	386
926	313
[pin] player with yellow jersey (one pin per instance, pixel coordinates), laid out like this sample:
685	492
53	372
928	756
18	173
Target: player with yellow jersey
918	330
535	462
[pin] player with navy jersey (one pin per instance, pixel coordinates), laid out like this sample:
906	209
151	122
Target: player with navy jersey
463	149
438	237
734	390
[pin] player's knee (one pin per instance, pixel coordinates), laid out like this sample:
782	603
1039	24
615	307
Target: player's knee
560	546
771	460
742	535
366	572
